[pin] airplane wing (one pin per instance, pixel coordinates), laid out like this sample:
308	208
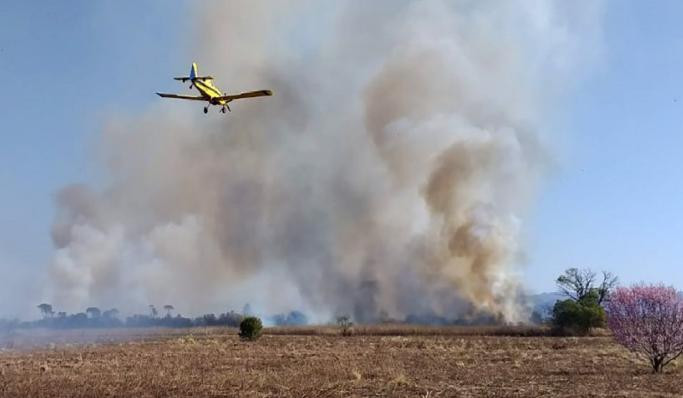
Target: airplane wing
250	94
186	97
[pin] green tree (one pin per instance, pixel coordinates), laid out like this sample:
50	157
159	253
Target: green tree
250	328
578	317
345	324
46	310
93	312
578	283
168	308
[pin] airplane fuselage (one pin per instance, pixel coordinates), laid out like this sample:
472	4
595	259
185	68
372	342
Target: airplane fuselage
209	91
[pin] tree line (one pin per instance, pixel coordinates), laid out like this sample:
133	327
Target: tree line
93	317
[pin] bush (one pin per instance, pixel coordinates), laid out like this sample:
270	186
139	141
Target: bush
250	328
345	324
578	317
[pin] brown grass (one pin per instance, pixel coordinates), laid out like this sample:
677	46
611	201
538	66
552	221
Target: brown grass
414	330
315	362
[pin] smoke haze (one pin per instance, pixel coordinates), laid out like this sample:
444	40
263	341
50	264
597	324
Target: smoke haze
390	171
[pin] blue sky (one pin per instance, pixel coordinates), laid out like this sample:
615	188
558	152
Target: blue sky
64	68
614	201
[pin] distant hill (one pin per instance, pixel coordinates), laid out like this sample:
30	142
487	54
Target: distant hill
542	303
545	298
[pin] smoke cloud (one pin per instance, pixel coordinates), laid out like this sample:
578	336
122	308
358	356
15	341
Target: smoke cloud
389	172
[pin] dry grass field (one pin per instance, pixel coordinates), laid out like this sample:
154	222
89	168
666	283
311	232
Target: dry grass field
317	362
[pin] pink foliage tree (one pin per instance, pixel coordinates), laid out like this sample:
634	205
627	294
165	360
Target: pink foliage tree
648	320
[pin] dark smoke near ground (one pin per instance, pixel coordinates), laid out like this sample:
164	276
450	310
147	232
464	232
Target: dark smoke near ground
389	173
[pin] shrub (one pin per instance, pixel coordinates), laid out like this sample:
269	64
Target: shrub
345	324
250	328
578	317
648	320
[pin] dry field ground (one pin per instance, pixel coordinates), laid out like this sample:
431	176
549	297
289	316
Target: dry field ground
317	362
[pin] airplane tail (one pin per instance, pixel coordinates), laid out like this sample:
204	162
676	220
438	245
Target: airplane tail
193	70
193	75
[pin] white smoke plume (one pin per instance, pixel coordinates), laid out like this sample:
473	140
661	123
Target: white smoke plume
389	172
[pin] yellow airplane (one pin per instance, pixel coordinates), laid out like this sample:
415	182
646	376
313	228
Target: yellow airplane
211	93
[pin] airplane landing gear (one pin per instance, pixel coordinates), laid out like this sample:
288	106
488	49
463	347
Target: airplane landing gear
206	109
223	110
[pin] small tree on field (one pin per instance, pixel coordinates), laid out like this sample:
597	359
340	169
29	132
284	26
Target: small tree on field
345	324
93	312
46	310
250	328
648	320
168	308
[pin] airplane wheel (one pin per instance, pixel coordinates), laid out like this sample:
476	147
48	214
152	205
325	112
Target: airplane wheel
206	109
